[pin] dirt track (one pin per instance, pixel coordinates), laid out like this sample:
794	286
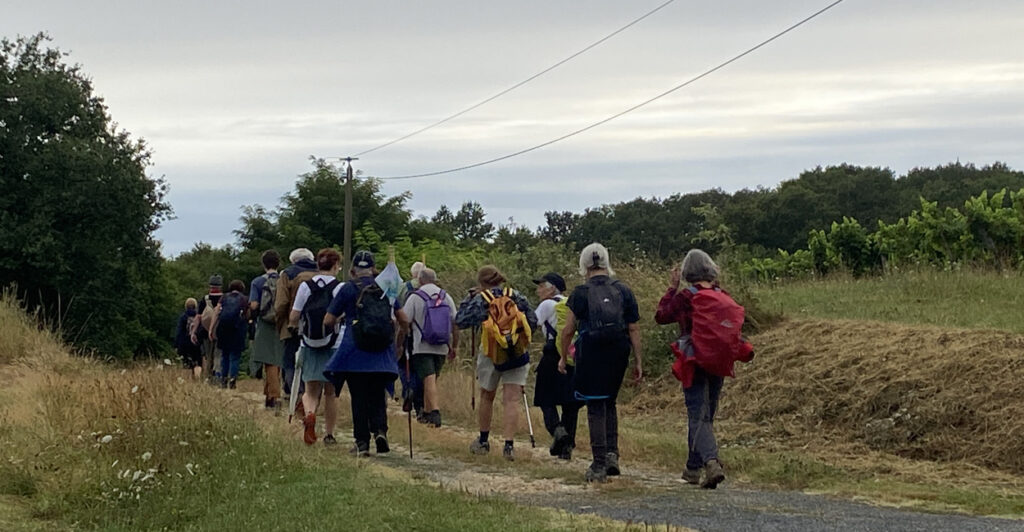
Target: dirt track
648	497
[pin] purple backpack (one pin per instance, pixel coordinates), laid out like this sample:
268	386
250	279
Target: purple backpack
437	319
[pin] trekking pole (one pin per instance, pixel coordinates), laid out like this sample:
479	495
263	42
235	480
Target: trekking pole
408	377
472	360
529	422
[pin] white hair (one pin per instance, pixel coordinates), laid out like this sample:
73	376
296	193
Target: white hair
595	257
698	266
417	267
427	276
300	253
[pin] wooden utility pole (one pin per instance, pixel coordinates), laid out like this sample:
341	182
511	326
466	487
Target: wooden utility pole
346	259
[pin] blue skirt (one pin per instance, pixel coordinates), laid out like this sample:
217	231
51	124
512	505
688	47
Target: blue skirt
314	362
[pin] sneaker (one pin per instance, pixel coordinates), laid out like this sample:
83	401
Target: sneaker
508	453
382	444
612	459
329	440
309	424
596	473
713	475
691	476
231	384
361	449
560	441
479	447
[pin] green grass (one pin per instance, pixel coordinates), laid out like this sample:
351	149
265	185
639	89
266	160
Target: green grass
973	300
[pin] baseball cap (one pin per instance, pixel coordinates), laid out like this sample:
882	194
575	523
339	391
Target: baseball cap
554	279
363	259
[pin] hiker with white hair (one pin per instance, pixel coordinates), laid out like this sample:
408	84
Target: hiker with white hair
604	314
435	337
412	385
303	268
710	327
190	352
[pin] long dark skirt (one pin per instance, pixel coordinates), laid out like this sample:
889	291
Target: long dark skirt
553	388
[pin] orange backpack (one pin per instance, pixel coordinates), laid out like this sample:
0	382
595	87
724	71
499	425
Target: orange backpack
506	332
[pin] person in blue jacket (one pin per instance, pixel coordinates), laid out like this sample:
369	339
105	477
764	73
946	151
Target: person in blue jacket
369	374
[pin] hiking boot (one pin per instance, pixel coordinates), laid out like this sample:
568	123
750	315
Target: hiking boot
560	441
231	384
566	453
691	476
434	418
422	417
361	449
596	473
309	425
713	475
329	440
508	453
479	447
612	459
382	444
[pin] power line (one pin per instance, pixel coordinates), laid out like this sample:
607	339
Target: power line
629	110
517	85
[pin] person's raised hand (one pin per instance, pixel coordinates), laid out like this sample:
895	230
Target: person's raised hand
675	277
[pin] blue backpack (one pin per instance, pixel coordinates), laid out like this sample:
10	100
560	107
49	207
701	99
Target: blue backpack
437	318
232	308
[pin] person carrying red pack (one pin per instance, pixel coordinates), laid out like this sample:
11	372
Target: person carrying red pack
710	342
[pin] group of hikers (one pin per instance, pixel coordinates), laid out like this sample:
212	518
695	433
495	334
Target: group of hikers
358	333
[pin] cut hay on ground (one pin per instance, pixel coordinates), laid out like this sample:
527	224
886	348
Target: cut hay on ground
919	392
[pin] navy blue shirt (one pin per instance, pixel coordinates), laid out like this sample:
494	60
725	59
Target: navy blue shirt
344	304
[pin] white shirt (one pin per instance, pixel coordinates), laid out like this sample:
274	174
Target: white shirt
300	303
546	314
416	309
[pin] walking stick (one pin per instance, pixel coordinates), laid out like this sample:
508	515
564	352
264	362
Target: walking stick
472	360
529	422
408	377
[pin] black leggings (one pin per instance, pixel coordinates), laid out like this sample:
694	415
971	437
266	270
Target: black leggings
369	406
569	419
603	417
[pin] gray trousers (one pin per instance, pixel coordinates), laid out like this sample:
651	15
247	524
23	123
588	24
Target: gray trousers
701	405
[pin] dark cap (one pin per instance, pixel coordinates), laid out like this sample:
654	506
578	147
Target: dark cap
362	259
216	280
554	279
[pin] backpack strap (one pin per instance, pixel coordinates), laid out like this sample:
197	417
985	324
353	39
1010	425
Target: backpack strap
488	296
693	289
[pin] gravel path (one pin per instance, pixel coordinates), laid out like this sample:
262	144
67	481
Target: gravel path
655	499
729	509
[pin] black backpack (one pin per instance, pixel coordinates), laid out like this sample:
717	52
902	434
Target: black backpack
321	293
605	319
232	306
372	327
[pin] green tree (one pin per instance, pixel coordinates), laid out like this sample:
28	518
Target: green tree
79	211
470	224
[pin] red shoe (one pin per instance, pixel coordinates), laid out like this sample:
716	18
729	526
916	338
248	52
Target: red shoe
309	422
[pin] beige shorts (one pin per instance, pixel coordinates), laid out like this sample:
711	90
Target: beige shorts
490	377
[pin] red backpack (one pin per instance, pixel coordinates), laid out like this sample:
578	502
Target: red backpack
716	339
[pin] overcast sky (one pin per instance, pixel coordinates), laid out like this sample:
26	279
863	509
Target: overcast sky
233	97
